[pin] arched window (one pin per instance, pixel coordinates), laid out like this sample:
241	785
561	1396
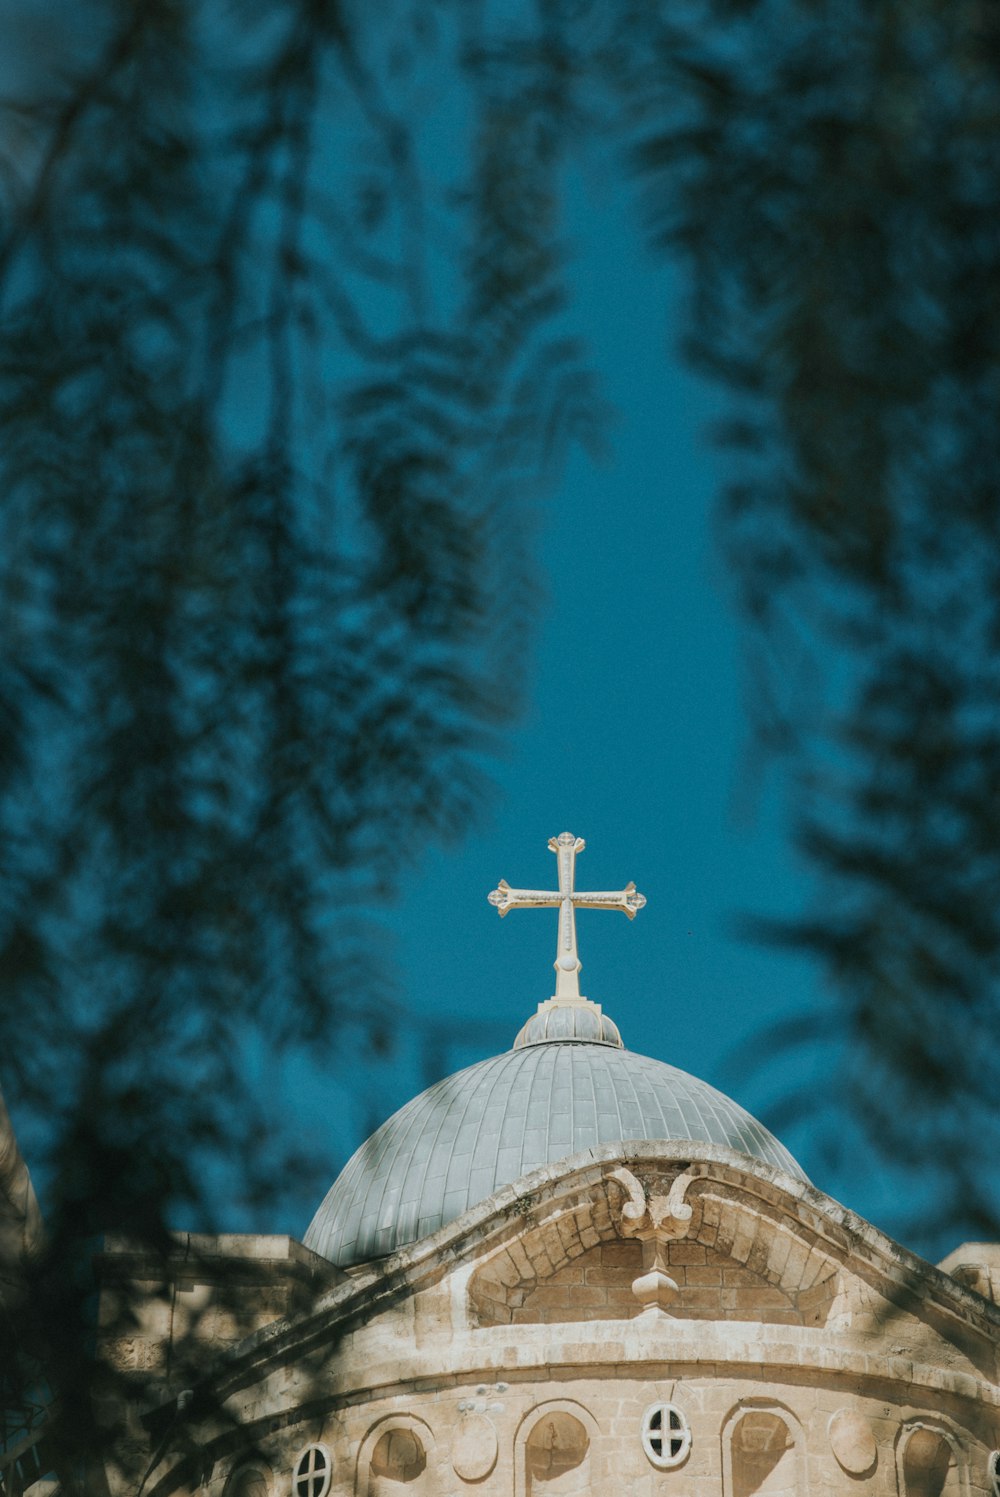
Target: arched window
930	1467
397	1458
993	1471
666	1435
399	1454
557	1455
312	1473
247	1481
763	1456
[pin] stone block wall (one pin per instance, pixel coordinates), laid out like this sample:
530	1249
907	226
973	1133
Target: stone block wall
577	1434
598	1286
804	1354
206	1292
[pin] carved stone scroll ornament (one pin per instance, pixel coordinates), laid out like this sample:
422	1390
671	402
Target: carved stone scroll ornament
656	1221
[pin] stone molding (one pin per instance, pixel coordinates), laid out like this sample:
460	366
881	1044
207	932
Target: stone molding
637	1348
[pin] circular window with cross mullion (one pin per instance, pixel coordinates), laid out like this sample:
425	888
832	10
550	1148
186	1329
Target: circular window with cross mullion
313	1472
666	1435
994	1473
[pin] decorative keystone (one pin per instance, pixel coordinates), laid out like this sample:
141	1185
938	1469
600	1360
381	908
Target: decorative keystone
656	1221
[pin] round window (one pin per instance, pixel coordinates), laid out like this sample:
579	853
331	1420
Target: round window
994	1473
666	1435
312	1474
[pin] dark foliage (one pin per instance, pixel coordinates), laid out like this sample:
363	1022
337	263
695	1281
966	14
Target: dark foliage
284	347
271	397
828	173
833	181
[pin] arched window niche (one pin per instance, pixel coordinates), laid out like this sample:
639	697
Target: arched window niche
553	1451
249	1479
763	1451
928	1460
396	1458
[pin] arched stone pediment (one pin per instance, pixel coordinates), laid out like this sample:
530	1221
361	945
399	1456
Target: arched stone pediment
734	1260
759	1248
738	1255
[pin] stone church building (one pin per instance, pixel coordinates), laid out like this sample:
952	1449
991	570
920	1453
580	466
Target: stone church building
568	1269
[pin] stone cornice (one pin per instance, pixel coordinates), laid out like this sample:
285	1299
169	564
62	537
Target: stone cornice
855	1243
664	1350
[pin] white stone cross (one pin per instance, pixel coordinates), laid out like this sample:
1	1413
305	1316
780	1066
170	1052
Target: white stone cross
568	901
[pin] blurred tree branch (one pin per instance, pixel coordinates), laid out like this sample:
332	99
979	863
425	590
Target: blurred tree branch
828	174
833	184
284	346
268	429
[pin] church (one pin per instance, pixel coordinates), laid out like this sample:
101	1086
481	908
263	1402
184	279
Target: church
567	1269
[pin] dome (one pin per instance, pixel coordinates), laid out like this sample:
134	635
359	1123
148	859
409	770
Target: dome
567	1085
486	1126
557	1020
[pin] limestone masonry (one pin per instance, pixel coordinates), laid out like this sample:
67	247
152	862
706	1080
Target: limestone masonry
565	1270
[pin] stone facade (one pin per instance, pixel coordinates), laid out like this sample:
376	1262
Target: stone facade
640	1318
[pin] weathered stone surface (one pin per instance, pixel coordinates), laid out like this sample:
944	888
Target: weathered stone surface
474	1451
852	1441
976	1265
801	1343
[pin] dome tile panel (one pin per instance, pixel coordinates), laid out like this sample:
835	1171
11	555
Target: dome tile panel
453	1145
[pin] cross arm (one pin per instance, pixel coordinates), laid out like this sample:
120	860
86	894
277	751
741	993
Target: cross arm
504	898
628	900
567	900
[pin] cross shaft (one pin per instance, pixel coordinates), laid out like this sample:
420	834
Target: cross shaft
567	900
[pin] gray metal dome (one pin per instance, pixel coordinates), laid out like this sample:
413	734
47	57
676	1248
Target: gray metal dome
486	1126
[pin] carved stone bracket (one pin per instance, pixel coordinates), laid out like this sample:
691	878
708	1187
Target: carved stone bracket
656	1221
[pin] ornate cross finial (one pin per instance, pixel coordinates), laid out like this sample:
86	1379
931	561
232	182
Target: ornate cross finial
568	901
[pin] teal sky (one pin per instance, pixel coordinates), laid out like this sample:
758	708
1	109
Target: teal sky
636	737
